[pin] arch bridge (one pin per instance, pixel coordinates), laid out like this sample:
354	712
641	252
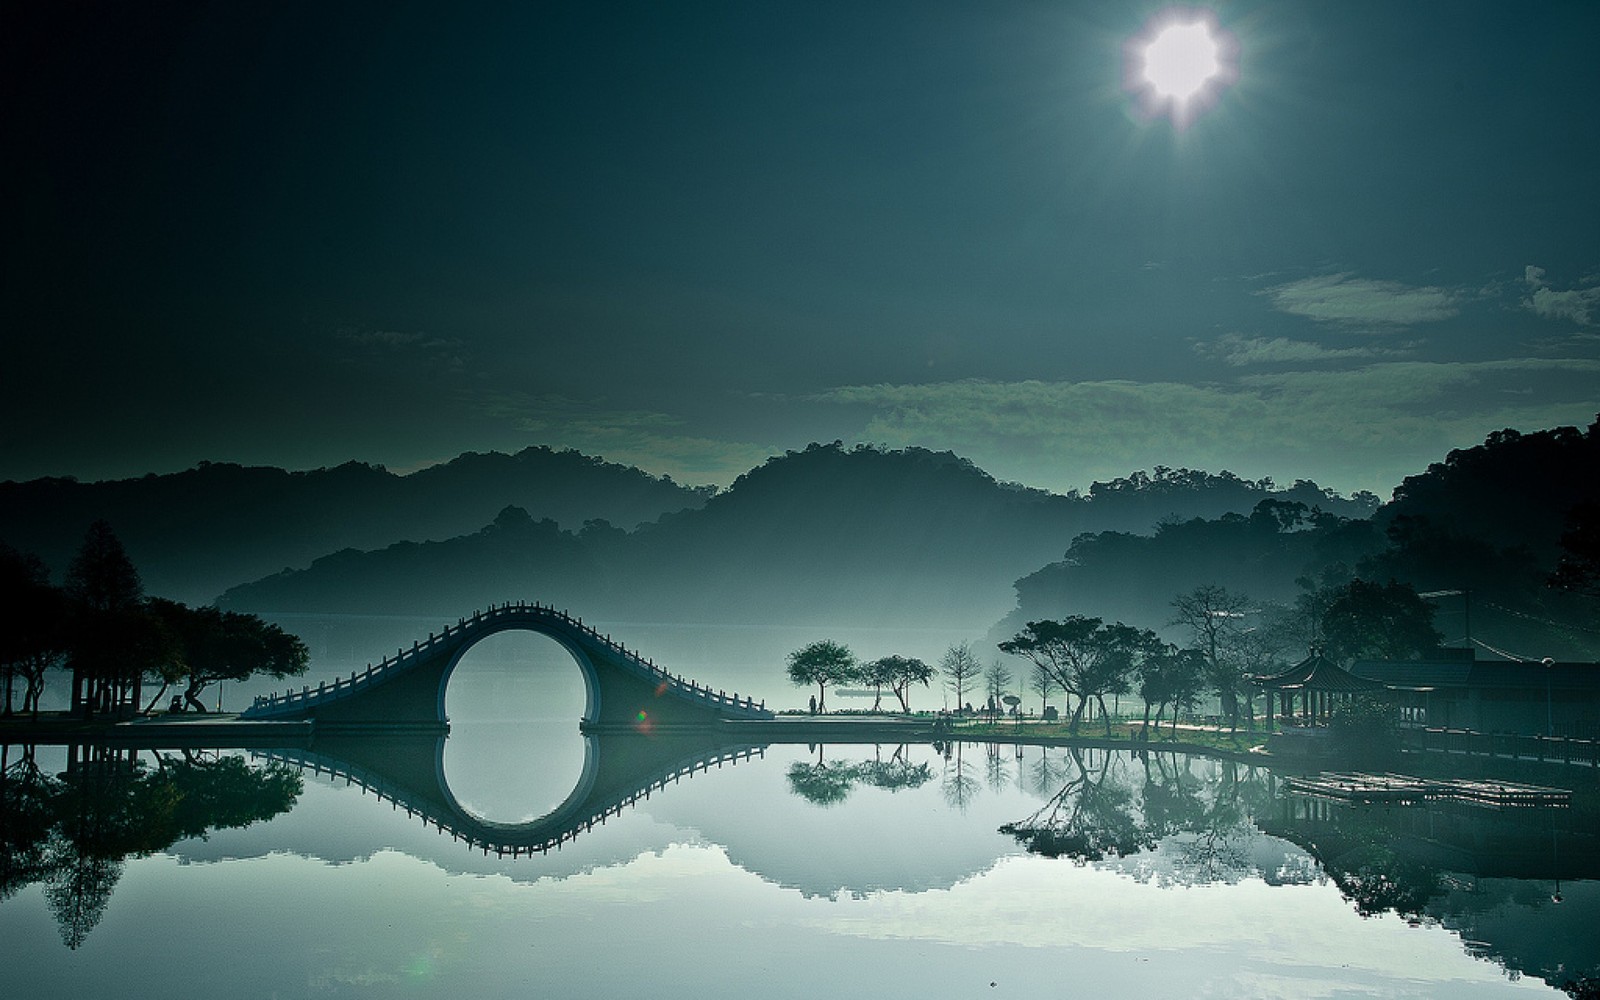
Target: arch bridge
619	770
623	689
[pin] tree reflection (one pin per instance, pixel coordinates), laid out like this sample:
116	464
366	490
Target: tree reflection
73	831
1090	818
827	784
958	783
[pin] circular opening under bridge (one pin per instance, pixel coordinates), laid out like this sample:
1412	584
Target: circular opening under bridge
514	702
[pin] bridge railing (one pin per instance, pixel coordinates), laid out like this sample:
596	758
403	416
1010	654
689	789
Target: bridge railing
486	840
343	687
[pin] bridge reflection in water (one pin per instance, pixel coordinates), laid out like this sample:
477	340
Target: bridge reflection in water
619	769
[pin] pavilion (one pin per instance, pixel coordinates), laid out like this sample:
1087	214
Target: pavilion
1320	685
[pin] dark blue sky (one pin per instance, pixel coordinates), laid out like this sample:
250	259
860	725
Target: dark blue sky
690	235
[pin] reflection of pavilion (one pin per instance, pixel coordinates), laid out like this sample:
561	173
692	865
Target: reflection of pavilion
1318	684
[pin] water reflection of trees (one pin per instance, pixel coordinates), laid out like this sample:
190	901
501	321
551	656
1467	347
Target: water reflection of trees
958	781
73	831
1109	804
826	783
1189	820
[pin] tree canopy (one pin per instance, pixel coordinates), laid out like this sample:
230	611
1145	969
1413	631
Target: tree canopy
898	673
822	663
1379	621
1085	657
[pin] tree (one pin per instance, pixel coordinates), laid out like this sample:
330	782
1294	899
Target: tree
876	673
106	595
1041	683
1215	620
1170	676
822	663
996	685
1379	621
1579	568
212	646
898	673
1085	657
32	626
960	668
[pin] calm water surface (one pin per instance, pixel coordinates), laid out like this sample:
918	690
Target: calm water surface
972	870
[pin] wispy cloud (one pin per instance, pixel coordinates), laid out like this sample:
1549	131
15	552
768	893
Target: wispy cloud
1579	305
1365	428
1363	303
1239	351
449	352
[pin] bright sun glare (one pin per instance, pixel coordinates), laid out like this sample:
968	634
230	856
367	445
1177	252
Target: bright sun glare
1181	59
1180	64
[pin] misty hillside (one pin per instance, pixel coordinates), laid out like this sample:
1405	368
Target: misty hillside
828	535
195	533
1482	529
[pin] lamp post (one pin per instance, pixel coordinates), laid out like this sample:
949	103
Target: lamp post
1549	716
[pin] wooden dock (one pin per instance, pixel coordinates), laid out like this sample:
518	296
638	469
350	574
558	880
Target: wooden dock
1359	787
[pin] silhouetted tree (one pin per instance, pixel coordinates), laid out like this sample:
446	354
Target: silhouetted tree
1170	676
959	665
1215	621
215	646
1579	568
1041	683
898	673
996	685
1379	621
822	663
1086	658
32	626
106	599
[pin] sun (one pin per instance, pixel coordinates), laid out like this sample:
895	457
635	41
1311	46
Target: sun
1179	64
1181	60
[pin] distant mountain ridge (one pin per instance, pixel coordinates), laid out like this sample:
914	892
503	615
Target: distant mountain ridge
195	533
1480	530
826	535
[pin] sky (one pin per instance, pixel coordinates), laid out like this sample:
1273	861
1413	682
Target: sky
690	236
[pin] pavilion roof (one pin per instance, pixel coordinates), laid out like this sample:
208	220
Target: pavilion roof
1317	673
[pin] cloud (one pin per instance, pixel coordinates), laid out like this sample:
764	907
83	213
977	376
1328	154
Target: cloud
397	341
1365	428
1363	303
1579	305
658	443
1239	351
447	352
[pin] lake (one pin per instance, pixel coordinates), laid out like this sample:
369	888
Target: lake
474	867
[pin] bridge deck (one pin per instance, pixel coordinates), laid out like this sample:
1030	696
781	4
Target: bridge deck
534	617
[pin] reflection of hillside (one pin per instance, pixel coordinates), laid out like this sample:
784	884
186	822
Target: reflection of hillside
1490	875
1487	874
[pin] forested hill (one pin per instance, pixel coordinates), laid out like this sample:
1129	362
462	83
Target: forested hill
825	535
195	533
1482	529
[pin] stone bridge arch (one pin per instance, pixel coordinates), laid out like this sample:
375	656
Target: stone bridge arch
619	770
623	690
